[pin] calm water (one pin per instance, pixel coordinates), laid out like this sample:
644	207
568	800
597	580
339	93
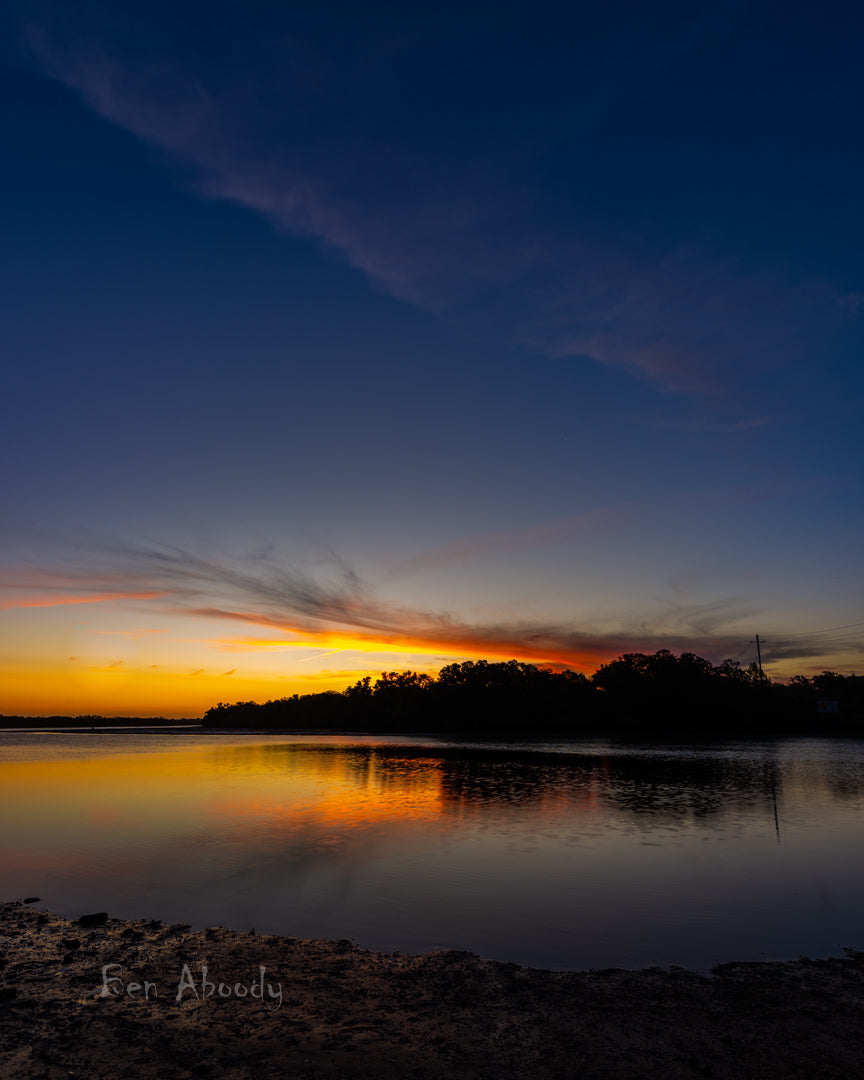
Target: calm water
569	855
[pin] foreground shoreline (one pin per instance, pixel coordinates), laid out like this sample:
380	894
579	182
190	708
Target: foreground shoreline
105	998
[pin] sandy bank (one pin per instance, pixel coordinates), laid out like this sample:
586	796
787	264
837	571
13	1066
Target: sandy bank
329	1009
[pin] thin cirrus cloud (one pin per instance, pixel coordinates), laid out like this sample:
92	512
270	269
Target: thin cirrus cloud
625	514
580	525
340	614
308	135
300	612
62	599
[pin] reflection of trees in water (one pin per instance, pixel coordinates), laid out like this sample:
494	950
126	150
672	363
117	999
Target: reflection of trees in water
670	787
698	785
385	769
691	787
508	782
667	787
847	782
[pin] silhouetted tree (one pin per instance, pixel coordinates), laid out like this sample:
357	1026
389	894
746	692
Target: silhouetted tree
643	694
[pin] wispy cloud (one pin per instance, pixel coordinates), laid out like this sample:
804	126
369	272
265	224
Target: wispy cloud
337	612
580	525
39	598
333	611
300	133
624	514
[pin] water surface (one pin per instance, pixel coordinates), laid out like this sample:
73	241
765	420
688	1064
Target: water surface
564	855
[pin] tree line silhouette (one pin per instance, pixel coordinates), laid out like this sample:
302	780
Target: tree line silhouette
637	695
88	720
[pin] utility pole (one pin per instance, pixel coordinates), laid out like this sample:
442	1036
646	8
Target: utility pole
759	645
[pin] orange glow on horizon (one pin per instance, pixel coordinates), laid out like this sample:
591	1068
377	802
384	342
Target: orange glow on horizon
123	690
175	665
465	648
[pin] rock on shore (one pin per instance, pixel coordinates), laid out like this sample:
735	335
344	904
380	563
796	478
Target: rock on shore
108	999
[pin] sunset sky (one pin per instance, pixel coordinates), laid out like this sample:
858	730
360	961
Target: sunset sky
345	338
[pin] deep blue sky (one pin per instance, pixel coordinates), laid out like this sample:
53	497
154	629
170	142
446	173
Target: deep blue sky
535	327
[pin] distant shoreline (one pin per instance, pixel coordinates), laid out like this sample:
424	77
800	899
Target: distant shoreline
109	725
85	723
102	997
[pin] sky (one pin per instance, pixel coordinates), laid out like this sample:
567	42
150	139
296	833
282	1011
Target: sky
340	339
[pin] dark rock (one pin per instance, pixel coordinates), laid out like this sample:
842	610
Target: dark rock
7	993
98	918
32	899
70	944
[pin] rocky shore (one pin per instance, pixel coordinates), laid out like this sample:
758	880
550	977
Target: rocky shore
107	999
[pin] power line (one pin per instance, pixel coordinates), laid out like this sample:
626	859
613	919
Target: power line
815	637
826	639
792	639
829	630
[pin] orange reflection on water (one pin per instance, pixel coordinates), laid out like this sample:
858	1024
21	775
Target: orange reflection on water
337	789
229	788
